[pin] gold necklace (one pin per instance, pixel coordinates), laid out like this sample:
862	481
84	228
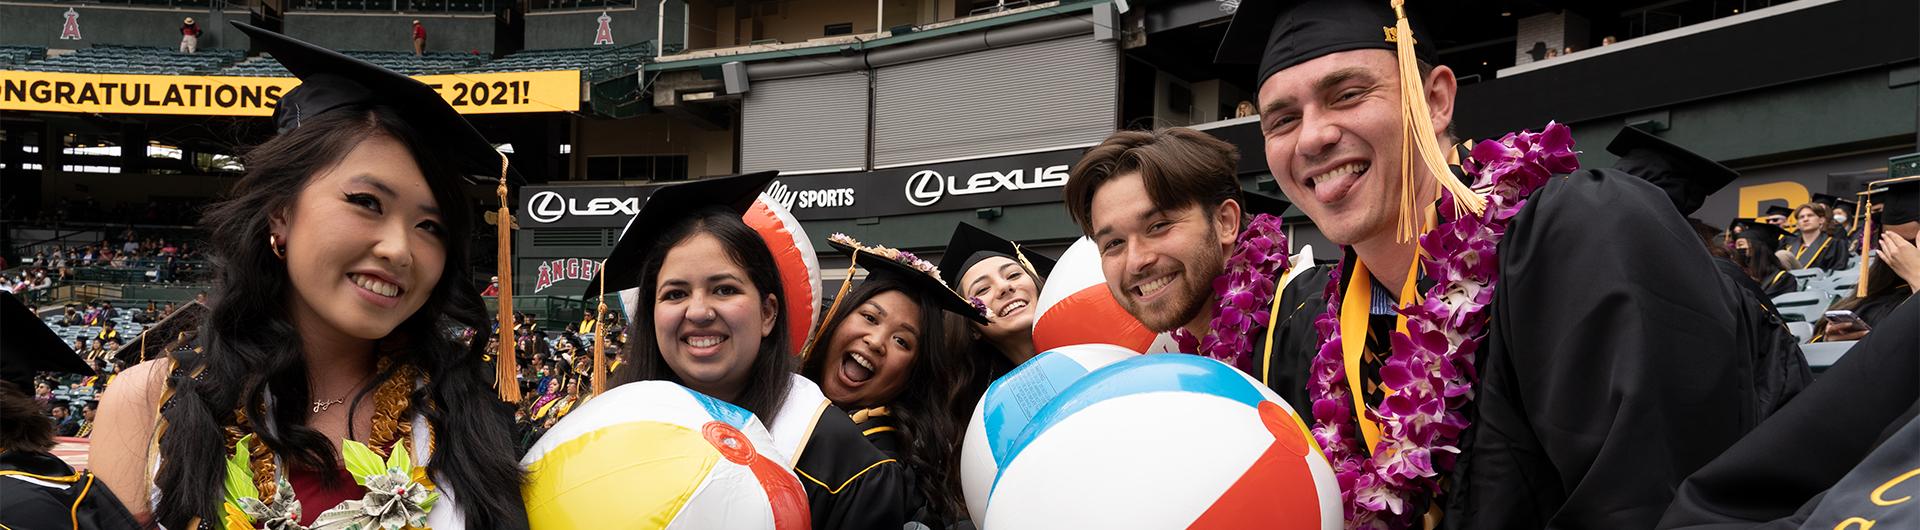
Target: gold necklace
390	400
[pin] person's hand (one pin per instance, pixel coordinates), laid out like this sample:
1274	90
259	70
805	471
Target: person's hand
1901	256
1845	330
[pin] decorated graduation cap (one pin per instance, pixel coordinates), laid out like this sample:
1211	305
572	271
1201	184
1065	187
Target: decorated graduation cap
29	347
917	274
1278	35
1686	176
331	81
171	332
971	244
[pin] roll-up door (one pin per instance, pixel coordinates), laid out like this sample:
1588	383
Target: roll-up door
1032	96
805	124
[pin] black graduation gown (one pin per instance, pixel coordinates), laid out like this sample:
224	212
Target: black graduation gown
1820	252
1848	434
883	431
1780	283
1779	367
849	482
1285	369
1610	371
80	501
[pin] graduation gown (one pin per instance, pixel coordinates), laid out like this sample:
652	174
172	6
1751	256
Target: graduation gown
1821	251
1779	367
849	483
1285	367
880	428
1849	434
38	491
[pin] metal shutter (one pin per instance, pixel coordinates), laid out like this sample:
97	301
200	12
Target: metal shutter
805	124
1042	95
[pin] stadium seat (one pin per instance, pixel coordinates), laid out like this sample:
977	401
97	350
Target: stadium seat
1822	355
1801	306
1801	330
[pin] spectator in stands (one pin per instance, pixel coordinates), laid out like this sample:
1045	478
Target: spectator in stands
1245	108
149	315
1607	41
1820	243
586	323
108	313
1754	249
109	331
493	289
43	393
64	424
419	38
189	36
87	409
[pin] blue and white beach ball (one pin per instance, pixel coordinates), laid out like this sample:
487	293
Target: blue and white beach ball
1011	401
1164	441
655	455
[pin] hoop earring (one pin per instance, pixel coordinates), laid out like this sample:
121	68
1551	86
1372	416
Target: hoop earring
273	243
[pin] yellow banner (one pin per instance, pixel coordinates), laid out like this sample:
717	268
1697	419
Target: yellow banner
473	93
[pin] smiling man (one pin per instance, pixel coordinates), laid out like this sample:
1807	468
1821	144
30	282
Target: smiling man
1165	209
1602	368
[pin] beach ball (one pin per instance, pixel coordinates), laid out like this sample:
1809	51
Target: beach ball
1075	307
1164	441
799	265
1010	403
655	455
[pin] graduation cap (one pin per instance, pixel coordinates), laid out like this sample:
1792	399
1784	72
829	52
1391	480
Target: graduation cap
1756	230
917	274
1687	177
1828	200
667	205
29	347
1779	210
1278	35
971	244
161	337
331	81
1899	197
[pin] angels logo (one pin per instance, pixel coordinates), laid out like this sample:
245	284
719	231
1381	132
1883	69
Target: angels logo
559	270
71	30
604	35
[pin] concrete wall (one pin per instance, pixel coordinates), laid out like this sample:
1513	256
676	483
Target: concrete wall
548	30
393	31
40	25
708	152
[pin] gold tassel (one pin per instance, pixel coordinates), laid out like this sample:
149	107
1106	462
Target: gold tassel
1419	140
1866	245
600	337
506	364
852	260
1024	264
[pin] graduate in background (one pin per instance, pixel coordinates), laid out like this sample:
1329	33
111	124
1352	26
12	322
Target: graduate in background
1820	243
37	489
1595	274
1888	276
1006	278
885	353
1854	446
1756	249
707	315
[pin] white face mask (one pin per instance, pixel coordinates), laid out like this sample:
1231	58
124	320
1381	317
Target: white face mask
1840	218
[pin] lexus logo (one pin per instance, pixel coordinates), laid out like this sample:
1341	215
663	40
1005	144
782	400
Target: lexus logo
926	187
549	206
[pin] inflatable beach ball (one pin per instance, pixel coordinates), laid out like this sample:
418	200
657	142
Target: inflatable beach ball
799	265
1164	441
1010	403
655	455
1075	307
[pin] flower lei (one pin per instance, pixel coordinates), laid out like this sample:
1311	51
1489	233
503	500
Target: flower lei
1242	293
1431	372
399	494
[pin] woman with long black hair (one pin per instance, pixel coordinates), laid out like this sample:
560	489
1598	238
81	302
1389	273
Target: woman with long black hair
888	355
1756	248
328	358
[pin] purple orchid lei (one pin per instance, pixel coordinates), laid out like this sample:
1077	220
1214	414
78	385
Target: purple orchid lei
1242	293
1431	370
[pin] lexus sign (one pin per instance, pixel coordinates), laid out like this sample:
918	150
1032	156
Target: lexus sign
1001	181
580	206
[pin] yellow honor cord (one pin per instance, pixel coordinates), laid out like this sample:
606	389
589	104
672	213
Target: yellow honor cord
1355	315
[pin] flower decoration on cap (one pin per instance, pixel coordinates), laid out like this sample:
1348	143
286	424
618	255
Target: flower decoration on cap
901	256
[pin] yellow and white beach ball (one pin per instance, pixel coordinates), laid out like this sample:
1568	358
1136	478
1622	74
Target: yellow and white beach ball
655	455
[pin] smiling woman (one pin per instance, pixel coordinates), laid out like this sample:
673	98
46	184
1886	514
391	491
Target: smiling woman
341	259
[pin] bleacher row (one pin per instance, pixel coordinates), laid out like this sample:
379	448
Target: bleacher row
108	59
129	331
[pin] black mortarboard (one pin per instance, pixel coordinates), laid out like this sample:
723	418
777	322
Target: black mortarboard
1822	198
29	347
163	336
1779	210
660	210
330	80
1255	203
1757	230
1900	198
1687	177
970	244
1278	34
919	274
